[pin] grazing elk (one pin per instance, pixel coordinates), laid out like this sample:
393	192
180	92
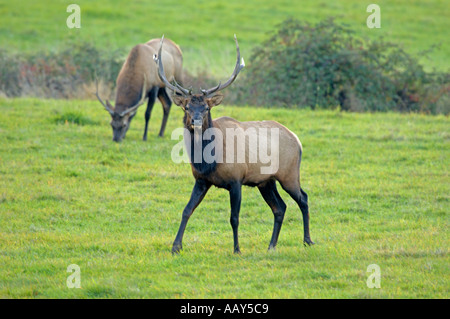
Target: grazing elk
138	81
231	175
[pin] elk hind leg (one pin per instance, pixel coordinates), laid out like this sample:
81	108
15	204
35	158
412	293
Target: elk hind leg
273	199
166	104
148	111
301	198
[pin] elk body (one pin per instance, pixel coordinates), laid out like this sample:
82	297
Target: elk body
232	175
138	81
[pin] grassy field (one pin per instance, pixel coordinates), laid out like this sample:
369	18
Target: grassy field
378	184
378	187
205	28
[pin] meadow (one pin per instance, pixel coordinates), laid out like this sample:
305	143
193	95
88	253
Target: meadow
204	29
378	183
378	188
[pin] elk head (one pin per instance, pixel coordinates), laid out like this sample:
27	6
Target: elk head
120	121
196	107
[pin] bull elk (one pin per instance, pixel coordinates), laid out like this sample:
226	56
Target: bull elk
232	175
138	81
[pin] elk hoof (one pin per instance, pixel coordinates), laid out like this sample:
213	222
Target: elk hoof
176	249
308	242
237	251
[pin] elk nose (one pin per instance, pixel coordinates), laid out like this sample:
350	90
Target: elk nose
198	122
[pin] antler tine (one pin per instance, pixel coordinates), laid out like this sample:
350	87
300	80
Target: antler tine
178	88
189	91
99	98
240	64
141	100
214	89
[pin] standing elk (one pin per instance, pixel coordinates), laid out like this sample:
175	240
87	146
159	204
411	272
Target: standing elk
232	175
138	81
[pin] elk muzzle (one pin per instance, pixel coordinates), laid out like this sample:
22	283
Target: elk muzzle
198	124
117	135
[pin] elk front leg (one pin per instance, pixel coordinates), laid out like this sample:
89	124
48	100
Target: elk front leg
274	200
198	193
235	201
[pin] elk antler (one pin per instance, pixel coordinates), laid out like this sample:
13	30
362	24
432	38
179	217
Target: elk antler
177	88
107	106
141	101
239	66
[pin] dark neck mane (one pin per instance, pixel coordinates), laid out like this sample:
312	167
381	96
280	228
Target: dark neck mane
203	168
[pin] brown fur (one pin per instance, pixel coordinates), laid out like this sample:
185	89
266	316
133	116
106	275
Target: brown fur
232	175
138	80
139	62
250	173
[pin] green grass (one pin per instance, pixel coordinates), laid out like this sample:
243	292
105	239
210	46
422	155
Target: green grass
378	187
378	184
205	29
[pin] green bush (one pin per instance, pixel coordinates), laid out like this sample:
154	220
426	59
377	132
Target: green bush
300	65
57	74
70	72
325	65
10	73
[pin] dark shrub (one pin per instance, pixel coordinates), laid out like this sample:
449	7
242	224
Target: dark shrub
325	65
9	73
57	74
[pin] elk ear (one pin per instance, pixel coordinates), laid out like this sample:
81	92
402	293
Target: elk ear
215	100
179	100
